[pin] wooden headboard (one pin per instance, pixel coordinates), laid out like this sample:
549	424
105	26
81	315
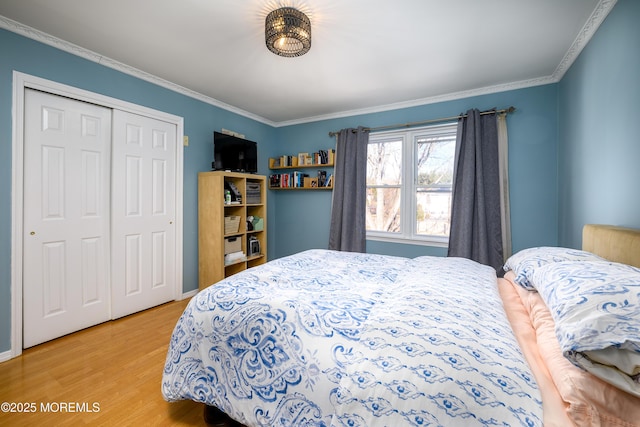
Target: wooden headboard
616	244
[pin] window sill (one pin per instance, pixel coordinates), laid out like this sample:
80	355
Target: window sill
438	243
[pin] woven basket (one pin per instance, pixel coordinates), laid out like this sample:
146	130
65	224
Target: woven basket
231	224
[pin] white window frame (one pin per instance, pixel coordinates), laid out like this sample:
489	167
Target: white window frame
408	188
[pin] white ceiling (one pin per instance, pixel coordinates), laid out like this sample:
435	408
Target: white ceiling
366	55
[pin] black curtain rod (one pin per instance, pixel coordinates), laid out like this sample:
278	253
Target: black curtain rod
424	122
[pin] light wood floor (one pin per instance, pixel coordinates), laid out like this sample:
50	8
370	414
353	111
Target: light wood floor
117	365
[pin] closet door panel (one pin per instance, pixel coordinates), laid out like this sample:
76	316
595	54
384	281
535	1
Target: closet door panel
65	216
143	235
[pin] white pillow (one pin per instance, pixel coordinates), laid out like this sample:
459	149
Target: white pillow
524	262
596	309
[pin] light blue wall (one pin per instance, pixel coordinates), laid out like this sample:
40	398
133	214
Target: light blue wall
200	120
599	129
297	220
564	173
302	218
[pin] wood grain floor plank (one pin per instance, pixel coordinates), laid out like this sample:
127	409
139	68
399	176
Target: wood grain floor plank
116	365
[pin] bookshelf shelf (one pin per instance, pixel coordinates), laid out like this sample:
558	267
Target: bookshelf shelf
302	188
293	179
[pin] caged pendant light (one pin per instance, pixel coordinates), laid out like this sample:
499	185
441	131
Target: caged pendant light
287	32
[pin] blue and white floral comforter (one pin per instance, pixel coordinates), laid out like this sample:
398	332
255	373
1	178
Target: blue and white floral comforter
325	338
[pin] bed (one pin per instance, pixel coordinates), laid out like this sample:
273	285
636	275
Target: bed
325	338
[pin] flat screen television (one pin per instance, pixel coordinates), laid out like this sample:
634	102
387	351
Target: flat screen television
234	154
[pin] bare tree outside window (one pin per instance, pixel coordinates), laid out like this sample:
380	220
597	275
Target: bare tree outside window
434	184
384	181
409	183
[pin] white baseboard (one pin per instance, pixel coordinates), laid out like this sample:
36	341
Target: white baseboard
189	294
5	355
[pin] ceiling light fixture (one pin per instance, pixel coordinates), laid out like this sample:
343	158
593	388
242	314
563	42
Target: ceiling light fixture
287	32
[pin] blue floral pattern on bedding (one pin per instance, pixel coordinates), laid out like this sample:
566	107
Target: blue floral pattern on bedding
596	310
524	262
326	338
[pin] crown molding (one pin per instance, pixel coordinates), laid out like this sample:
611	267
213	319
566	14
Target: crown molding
425	101
599	14
63	45
586	33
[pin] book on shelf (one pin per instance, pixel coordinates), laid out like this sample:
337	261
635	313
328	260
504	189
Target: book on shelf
322	178
287	161
320	157
298	179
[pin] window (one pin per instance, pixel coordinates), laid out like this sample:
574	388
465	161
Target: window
409	184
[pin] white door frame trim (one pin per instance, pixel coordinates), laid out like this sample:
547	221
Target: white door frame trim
21	82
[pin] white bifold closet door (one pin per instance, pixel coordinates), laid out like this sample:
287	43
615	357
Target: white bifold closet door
67	154
143	210
99	206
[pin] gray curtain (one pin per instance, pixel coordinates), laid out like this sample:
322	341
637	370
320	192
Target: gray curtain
348	221
476	229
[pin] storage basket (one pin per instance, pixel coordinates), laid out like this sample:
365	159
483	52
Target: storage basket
232	245
231	224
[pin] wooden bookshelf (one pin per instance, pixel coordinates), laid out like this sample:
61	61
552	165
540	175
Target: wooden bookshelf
318	165
293	179
214	213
